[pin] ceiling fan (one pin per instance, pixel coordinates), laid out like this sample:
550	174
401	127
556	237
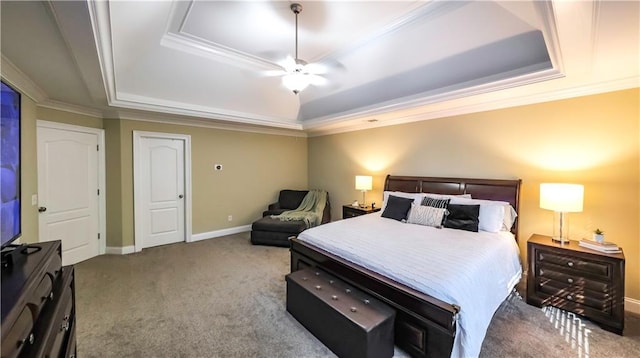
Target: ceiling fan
298	74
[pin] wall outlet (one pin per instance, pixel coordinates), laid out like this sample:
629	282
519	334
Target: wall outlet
34	199
230	218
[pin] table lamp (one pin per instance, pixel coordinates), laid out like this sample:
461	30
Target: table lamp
562	199
364	183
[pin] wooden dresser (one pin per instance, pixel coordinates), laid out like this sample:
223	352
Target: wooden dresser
578	280
38	305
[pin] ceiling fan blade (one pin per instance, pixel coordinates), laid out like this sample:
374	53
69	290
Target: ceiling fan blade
316	68
317	80
273	73
289	64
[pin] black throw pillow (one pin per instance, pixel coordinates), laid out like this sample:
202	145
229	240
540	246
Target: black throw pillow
397	208
463	217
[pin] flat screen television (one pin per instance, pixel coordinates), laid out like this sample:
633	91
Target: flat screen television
10	219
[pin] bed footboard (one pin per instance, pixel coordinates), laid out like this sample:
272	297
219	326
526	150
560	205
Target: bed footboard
424	326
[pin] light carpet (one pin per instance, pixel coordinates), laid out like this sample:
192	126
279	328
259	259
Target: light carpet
224	297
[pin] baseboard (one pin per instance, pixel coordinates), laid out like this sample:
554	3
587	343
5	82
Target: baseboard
114	250
632	305
218	233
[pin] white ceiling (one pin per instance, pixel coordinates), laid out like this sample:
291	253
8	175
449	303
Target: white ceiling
393	61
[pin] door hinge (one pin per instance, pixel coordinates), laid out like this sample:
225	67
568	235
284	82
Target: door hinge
98	147
98	236
98	191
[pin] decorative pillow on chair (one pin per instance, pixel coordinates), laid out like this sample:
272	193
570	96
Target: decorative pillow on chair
426	215
463	217
397	208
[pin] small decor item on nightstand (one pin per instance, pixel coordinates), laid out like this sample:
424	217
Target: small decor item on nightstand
355	203
606	247
598	235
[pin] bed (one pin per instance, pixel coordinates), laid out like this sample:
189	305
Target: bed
427	324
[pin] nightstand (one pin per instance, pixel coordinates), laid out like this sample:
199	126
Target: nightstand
349	211
576	279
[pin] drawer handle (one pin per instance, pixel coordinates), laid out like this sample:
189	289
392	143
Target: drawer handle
334	297
353	309
65	324
30	339
570	264
569	297
570	280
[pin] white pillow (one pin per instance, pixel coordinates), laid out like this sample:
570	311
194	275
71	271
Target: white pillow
494	215
426	215
447	196
417	197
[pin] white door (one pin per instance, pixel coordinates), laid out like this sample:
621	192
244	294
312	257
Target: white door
68	178
162	191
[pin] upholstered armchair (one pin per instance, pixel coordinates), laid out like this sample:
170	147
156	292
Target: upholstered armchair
270	231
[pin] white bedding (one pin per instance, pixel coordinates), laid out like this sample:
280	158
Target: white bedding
475	271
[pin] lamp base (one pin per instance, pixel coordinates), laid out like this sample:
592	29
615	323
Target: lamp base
560	240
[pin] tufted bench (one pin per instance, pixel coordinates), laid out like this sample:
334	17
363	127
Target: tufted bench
348	321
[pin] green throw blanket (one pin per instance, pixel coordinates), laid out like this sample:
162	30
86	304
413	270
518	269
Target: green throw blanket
310	209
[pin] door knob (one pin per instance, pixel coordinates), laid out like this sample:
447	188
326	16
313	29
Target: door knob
180	196
42	209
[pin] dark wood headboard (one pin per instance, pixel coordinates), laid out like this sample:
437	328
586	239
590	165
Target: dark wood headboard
488	189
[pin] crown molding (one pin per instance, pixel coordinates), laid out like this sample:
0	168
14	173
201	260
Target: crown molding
181	120
71	108
480	106
437	96
101	24
12	74
131	101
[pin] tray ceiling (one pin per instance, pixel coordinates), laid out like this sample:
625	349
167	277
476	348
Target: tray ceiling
215	59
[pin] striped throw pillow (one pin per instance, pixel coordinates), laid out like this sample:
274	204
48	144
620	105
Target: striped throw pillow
435	203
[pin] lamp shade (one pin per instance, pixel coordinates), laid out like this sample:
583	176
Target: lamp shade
565	198
364	182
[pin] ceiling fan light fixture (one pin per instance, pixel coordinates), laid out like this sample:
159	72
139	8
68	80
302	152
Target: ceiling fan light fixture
296	81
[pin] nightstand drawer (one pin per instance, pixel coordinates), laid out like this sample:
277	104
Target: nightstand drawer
550	272
597	300
573	304
576	264
347	213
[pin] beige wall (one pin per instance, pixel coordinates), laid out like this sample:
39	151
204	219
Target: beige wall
590	140
255	168
54	115
29	170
